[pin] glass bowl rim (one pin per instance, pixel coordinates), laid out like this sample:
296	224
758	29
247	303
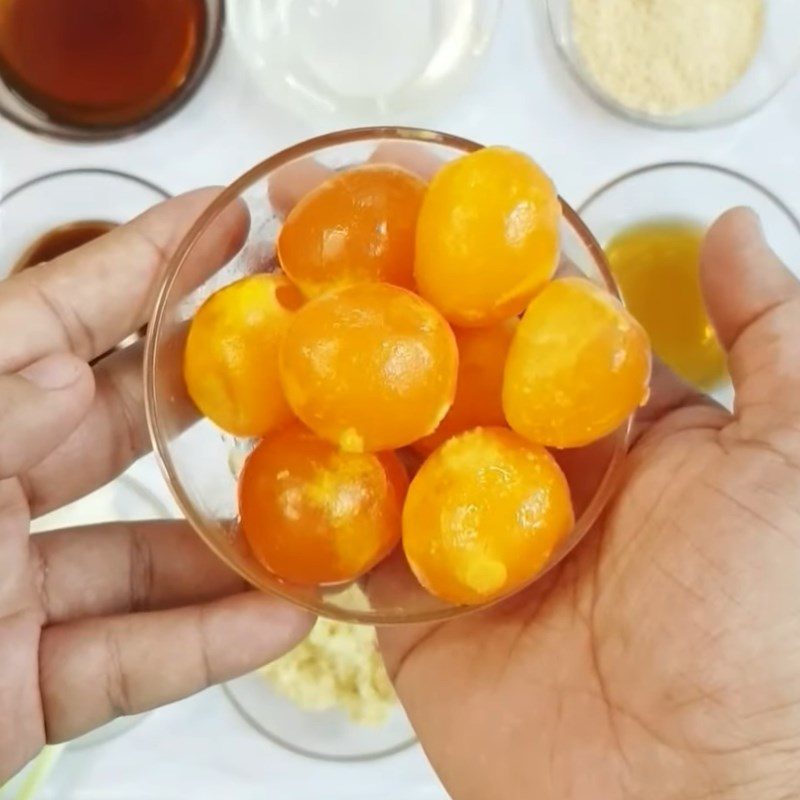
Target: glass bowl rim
250	719
701	166
66	132
654	121
229	194
78	171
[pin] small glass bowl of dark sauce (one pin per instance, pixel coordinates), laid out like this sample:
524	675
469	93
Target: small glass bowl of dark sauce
52	214
90	70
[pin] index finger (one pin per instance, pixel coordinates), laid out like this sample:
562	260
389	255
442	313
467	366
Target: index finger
89	299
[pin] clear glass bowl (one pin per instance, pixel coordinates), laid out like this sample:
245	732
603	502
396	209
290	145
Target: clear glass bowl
234	237
49	202
38	206
776	61
19	111
694	192
327	735
361	59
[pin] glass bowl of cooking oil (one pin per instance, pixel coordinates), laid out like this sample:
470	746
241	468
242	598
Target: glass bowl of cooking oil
651	223
679	63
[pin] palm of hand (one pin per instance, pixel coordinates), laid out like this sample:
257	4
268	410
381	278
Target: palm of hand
659	660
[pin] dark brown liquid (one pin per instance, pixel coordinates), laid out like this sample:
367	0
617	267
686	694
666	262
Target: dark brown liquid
99	63
61	240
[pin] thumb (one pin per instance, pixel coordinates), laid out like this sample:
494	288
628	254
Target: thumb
753	301
39	407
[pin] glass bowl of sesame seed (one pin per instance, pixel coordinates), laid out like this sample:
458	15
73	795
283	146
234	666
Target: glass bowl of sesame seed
679	63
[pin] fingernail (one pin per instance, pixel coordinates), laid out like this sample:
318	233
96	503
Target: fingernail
53	372
756	219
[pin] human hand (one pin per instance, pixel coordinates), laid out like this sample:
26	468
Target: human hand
661	660
118	618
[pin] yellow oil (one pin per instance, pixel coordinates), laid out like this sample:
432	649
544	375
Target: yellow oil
656	266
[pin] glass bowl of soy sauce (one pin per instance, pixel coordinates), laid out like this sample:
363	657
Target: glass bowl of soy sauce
90	70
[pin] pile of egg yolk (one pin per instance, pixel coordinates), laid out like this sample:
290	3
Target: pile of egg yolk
415	321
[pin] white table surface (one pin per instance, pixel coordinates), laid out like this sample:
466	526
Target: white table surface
522	97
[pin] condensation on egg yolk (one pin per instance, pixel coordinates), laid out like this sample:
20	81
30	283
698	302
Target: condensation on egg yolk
483	515
357	226
314	515
578	367
487	236
656	266
370	367
481	360
230	362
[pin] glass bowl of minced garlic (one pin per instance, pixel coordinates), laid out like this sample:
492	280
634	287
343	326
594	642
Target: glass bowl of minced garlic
330	698
679	63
